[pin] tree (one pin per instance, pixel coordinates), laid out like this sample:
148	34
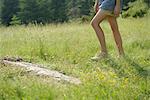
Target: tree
9	9
47	11
58	11
73	8
136	9
1	3
85	7
35	11
15	20
29	11
125	2
43	11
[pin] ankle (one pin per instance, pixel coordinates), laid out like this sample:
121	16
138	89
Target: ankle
104	52
121	55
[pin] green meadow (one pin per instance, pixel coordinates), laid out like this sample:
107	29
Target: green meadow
67	48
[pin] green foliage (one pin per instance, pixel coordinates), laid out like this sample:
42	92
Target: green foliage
147	2
1	2
148	12
125	2
73	8
136	9
34	11
58	11
85	18
15	84
67	48
55	11
9	9
15	21
43	11
85	7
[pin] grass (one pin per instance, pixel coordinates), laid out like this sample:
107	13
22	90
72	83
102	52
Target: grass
67	48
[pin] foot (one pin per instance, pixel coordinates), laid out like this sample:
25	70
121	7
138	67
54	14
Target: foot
99	56
122	56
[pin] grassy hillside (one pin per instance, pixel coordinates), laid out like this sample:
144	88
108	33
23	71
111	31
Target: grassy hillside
68	48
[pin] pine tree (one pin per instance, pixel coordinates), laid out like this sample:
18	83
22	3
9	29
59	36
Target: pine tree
73	8
85	7
35	11
29	9
58	11
9	9
15	20
1	2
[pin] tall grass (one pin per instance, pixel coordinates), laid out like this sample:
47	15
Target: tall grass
68	47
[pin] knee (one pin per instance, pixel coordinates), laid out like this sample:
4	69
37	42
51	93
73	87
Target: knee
94	23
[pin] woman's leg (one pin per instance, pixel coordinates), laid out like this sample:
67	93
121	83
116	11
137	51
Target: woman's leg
98	18
114	26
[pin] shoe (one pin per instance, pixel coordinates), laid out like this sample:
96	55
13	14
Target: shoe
99	56
121	56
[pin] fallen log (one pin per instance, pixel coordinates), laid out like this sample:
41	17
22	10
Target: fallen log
42	71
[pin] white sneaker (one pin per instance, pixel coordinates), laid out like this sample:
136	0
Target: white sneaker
99	56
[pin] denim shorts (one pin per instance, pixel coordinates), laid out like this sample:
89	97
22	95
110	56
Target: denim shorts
109	5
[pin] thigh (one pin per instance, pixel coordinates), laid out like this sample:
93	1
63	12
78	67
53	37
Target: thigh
113	23
99	17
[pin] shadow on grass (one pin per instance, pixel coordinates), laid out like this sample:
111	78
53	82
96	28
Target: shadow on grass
136	66
122	70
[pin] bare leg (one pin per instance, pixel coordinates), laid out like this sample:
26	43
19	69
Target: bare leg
98	18
114	26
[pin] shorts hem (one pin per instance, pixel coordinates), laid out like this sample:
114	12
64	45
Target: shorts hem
108	12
